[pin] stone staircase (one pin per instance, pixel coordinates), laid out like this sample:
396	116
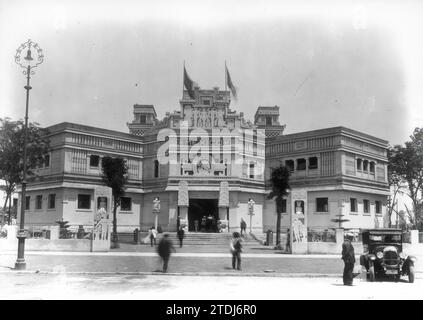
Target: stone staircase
196	239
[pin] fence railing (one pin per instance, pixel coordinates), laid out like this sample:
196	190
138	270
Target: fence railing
321	235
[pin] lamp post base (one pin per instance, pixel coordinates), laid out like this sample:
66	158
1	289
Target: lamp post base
20	264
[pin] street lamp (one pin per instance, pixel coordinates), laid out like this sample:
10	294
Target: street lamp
31	60
251	210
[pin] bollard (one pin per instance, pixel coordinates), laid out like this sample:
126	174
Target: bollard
269	237
136	236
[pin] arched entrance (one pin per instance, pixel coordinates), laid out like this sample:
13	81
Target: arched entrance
204	213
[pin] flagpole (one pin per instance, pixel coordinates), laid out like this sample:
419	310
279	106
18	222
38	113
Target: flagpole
183	75
226	88
225	77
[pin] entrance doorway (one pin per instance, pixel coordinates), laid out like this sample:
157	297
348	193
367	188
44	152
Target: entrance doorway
203	215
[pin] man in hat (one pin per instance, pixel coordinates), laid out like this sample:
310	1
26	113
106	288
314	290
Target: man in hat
349	259
164	250
236	249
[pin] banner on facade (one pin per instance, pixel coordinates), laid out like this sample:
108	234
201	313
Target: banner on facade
183	199
224	194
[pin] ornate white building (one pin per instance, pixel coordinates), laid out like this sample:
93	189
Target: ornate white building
206	160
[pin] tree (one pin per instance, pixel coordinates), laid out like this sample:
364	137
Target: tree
279	182
406	171
114	175
11	153
396	186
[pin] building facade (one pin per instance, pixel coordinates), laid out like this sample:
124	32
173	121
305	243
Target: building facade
206	162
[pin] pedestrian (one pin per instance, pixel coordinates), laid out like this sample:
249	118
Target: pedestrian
203	223
181	234
153	235
164	250
196	225
236	249
349	259
288	241
243	226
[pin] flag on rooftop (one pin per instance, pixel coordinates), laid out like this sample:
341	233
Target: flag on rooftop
230	84
189	84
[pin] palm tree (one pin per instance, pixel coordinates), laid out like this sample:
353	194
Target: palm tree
114	175
279	181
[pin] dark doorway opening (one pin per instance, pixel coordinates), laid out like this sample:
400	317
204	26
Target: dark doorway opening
203	215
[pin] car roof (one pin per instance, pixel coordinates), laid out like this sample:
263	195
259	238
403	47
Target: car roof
383	231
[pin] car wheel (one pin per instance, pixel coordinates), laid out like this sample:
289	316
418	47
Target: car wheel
371	272
411	274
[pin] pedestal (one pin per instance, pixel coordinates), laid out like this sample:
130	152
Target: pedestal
414	236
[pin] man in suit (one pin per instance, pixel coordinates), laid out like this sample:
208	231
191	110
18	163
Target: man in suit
349	259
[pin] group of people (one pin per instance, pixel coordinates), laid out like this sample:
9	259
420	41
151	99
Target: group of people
165	248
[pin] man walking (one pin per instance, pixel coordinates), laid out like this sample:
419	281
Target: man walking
236	249
349	259
164	250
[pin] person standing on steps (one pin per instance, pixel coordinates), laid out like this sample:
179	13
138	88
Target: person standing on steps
181	234
164	250
243	226
288	241
236	249
349	259
153	235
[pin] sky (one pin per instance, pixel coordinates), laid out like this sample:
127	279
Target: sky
324	63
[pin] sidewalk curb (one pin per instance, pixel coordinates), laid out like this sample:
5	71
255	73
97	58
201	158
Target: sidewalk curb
159	273
206	274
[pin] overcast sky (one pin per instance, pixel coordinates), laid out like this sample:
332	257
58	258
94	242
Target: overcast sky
325	63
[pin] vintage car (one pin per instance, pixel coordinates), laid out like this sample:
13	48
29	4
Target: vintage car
383	255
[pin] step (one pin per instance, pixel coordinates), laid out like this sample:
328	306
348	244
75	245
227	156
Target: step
194	238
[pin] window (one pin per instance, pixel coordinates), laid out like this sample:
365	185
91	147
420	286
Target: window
84	201
378	208
353	205
125	204
299	207
372	167
47	161
359	164
251	170
51	201
366	206
268	121
312	163
102	203
39	202
94	161
322	204
156	168
301	164
365	165
27	202
143	119
206	102
289	164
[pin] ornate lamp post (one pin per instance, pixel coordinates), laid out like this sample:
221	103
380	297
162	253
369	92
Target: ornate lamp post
34	56
156	209
251	210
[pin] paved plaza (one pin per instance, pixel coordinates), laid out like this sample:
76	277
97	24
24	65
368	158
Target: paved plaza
172	287
195	272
